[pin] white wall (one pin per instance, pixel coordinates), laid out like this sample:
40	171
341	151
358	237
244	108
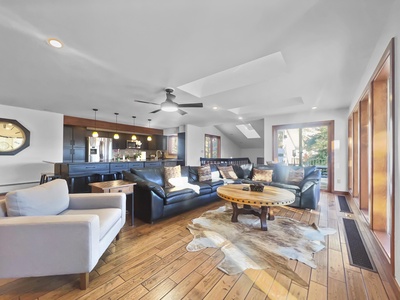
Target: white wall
46	144
340	138
252	153
195	144
391	30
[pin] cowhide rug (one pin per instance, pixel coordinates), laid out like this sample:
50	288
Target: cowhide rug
247	247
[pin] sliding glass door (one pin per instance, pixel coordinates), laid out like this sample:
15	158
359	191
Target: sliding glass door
306	144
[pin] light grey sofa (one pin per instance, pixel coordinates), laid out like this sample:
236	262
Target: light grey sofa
46	231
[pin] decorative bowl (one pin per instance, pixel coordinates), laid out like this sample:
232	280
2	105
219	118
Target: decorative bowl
257	188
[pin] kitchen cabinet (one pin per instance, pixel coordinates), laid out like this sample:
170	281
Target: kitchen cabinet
74	144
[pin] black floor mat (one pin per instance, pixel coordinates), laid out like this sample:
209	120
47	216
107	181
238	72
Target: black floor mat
344	206
358	254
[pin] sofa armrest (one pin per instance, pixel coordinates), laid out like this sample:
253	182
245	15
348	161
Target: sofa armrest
97	200
313	178
48	245
152	186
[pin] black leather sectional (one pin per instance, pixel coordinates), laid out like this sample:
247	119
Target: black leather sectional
154	201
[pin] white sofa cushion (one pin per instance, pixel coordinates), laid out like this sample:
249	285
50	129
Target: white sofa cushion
47	199
107	217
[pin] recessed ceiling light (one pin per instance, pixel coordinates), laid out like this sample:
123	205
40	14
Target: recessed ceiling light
215	107
314	107
240	118
55	43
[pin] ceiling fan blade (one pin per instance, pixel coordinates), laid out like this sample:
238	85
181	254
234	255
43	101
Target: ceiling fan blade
191	105
155	111
146	102
181	112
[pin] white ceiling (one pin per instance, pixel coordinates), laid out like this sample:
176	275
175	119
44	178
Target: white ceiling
118	51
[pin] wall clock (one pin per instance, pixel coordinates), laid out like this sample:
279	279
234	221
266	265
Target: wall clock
14	137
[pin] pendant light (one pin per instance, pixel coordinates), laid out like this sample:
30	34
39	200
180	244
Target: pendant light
134	137
95	133
149	138
116	135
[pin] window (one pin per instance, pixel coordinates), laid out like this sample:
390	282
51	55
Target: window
172	146
307	144
212	146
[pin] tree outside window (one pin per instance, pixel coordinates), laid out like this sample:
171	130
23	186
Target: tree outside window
212	146
172	146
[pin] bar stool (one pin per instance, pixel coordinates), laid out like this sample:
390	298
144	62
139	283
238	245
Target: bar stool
46	177
108	177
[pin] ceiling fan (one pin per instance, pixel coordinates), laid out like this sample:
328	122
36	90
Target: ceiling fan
169	105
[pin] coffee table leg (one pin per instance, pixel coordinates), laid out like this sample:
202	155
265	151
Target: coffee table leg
271	216
235	212
263	217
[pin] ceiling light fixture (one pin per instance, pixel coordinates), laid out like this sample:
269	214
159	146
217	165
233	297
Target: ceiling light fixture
116	135
169	106
55	43
149	138
240	118
314	107
215	107
95	133
134	137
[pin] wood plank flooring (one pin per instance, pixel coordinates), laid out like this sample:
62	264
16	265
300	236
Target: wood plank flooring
150	261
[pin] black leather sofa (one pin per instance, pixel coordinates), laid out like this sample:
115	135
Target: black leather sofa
307	191
153	201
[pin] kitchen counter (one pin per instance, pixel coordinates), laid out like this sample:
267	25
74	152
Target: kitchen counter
79	174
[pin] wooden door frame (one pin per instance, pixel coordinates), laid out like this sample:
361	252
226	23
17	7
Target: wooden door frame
331	158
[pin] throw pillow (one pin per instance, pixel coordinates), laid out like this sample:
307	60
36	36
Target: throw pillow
171	172
296	175
227	172
204	173
262	175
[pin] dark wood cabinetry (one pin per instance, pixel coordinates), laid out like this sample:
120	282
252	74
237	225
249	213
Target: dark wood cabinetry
74	148
75	139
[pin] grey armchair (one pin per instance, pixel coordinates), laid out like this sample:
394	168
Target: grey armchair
50	232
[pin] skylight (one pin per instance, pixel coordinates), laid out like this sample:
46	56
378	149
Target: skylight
252	72
248	131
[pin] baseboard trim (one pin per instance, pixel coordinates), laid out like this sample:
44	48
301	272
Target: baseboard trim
341	193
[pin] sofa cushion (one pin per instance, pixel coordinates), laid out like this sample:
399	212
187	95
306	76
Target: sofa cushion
290	187
174	195
171	173
238	171
247	168
205	188
281	173
107	217
204	173
155	175
47	199
262	175
227	172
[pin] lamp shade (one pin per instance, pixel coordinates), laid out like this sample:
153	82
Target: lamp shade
116	136
149	138
95	134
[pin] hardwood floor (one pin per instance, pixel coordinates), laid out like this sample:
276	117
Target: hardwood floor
151	262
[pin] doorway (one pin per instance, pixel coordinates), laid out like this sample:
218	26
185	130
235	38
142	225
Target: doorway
306	144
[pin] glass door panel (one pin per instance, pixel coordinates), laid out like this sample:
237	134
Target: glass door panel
305	146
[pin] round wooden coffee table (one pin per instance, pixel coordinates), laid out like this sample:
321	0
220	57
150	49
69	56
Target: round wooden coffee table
271	196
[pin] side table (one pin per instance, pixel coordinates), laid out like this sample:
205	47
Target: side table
116	186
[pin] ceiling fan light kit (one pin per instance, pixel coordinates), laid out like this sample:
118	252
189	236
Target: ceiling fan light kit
169	105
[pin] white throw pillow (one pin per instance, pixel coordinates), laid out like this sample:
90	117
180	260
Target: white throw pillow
47	199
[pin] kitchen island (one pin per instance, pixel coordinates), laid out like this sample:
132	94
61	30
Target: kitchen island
80	174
